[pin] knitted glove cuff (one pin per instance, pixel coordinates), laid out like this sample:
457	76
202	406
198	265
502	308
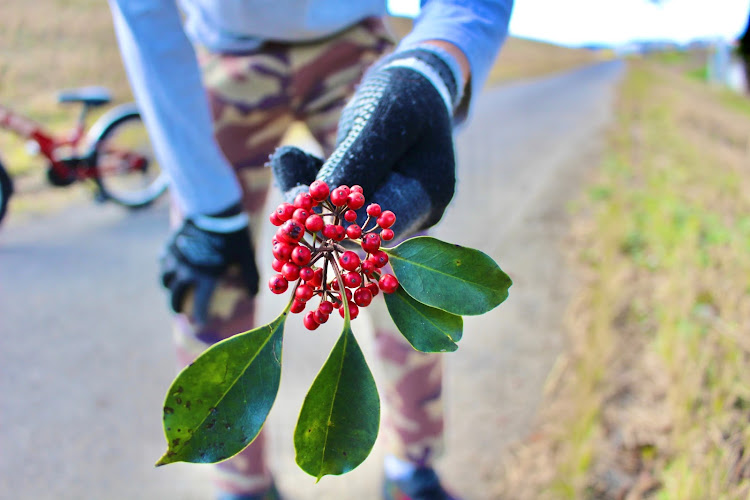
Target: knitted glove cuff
437	65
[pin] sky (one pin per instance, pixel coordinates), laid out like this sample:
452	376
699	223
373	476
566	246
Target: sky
616	22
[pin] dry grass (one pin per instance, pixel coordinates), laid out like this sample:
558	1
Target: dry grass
521	58
652	399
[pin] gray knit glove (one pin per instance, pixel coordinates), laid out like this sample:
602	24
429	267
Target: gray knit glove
395	139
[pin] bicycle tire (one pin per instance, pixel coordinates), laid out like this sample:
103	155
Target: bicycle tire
6	190
116	178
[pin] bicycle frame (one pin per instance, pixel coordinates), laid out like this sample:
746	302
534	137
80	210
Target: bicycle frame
49	145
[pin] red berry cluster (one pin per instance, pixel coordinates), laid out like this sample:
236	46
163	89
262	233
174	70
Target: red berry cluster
322	267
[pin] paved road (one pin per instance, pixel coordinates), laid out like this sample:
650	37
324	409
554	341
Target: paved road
85	352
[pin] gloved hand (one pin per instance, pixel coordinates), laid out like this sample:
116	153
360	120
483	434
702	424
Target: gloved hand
200	252
395	139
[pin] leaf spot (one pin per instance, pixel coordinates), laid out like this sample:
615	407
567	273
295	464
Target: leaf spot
458	262
188	404
178	401
175	441
168	410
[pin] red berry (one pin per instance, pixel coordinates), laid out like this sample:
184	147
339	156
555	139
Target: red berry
276	265
301	215
334	284
339	195
301	255
304	200
368	266
314	223
386	234
320	316
350	215
307	274
349	260
282	251
291	231
329	231
353	310
362	297
373	210
356	189
370	242
304	293
285	211
317	278
278	284
354	231
348	294
319	190
352	280
386	219
340	232
388	283
355	200
309	321
326	307
290	271
373	287
274	218
297	306
378	257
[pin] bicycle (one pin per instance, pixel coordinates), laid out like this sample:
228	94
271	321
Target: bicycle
115	153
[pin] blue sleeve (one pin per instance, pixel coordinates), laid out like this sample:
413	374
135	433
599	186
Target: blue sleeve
165	79
477	27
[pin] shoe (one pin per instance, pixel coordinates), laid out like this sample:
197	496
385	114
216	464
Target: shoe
271	494
423	484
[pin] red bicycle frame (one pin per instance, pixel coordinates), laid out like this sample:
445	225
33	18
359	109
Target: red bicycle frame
50	146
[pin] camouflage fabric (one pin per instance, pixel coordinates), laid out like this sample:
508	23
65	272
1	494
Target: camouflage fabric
254	98
413	411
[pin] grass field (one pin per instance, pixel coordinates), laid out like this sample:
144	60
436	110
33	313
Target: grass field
652	398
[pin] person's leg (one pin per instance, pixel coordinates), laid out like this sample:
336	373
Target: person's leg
247	94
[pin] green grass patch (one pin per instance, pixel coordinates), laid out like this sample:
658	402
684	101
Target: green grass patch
654	402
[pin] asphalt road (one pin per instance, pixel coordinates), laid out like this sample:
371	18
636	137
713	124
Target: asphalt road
85	341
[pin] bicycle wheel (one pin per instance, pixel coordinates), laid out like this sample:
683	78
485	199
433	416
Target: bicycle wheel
127	170
6	189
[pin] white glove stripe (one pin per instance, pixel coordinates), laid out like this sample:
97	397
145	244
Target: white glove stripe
221	224
428	72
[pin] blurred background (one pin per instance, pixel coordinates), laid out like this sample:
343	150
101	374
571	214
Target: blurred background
612	144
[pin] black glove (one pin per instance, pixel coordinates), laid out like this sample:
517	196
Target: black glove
201	251
395	139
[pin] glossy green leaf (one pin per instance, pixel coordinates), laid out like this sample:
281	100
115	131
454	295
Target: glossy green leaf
428	329
339	420
217	405
453	278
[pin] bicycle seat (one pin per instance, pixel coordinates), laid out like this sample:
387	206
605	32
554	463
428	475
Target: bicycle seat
91	96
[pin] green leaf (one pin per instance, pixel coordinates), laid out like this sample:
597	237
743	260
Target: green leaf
217	405
453	278
427	329
339	420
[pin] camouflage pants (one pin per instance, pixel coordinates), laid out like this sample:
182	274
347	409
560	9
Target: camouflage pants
255	97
